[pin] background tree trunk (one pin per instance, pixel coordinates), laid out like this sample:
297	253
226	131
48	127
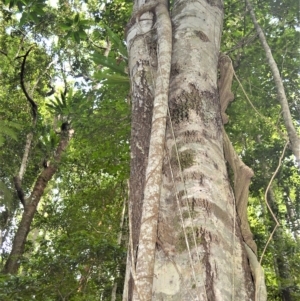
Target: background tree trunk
30	206
286	114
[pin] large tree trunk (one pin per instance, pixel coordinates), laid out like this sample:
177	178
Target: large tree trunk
199	246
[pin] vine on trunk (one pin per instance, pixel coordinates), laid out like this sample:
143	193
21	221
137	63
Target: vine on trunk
148	232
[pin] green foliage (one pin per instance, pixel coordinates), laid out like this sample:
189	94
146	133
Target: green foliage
5	195
109	63
119	44
72	252
76	27
260	137
7	128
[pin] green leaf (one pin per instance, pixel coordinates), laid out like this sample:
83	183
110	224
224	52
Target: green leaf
6	129
65	26
33	16
56	105
38	9
76	37
109	63
112	79
82	34
20	5
6	195
116	40
9	132
76	18
11	3
24	18
13	125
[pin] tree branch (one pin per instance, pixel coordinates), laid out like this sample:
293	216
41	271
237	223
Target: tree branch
13	262
4	53
20	193
30	100
287	118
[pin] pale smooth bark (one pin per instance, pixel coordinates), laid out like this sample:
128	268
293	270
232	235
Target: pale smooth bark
29	138
286	114
214	267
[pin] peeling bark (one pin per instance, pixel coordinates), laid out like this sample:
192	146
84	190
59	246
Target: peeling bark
242	178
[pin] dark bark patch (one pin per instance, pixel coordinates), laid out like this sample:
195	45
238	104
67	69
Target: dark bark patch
213	107
179	110
142	104
210	208
186	158
202	203
175	69
193	136
205	104
180	194
209	279
181	239
200	34
195	175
